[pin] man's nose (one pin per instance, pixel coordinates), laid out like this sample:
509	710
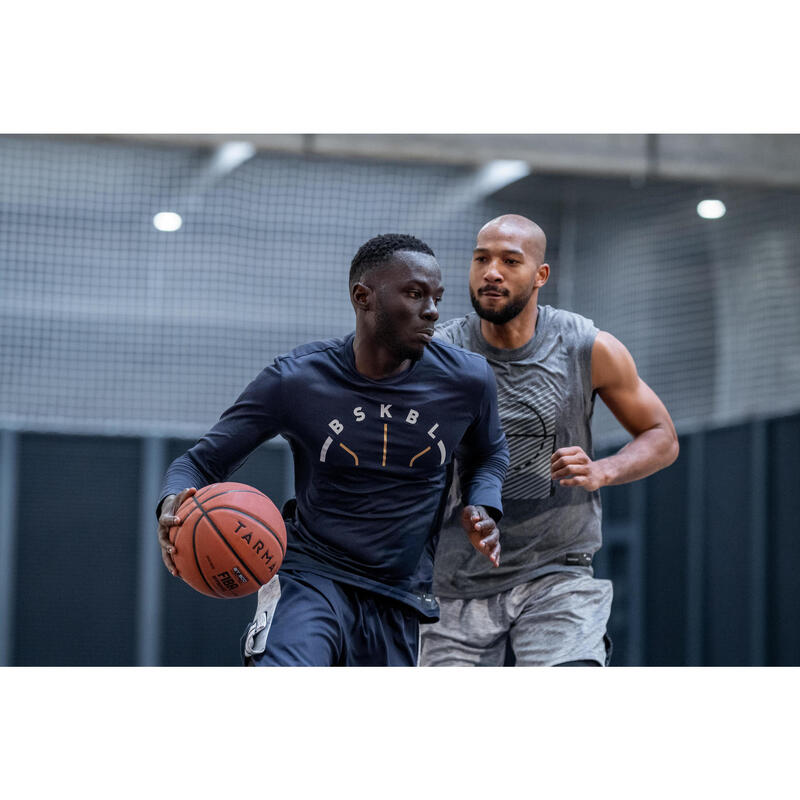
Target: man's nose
430	311
492	274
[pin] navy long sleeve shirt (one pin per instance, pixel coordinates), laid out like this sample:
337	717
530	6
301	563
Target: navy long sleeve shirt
373	459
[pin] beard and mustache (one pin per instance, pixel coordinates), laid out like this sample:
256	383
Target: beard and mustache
500	316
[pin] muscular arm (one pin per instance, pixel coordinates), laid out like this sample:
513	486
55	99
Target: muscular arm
638	409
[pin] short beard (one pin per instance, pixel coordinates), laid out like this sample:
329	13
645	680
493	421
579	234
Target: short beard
501	316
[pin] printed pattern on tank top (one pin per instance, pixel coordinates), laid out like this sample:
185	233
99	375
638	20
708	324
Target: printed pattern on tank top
529	420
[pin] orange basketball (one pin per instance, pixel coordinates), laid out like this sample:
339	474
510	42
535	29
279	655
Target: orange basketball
231	540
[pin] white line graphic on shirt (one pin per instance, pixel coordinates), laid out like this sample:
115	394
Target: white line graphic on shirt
324	452
528	417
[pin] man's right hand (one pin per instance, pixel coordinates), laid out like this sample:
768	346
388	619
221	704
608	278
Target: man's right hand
168	519
483	533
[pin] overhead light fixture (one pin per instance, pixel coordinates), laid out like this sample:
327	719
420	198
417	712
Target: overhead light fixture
711	209
500	173
230	155
167	221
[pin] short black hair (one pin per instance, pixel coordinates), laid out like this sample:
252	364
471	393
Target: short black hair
379	250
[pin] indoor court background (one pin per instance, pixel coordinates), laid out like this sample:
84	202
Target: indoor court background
120	344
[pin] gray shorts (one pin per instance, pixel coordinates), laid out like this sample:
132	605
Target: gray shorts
558	617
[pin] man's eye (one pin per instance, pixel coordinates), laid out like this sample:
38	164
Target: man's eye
414	293
437	300
511	261
479	259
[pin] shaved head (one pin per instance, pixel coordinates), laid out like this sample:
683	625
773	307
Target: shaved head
532	236
508	270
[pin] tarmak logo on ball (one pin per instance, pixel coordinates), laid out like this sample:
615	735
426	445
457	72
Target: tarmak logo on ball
257	547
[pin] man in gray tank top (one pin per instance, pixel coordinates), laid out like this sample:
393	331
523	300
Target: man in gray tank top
549	364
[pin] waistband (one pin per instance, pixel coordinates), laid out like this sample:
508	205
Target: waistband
575	560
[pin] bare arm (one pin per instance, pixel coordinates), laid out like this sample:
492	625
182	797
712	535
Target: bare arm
638	409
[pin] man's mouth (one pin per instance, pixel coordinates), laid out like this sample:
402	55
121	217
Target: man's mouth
491	292
426	334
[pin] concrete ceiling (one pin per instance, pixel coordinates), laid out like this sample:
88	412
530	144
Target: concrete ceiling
755	159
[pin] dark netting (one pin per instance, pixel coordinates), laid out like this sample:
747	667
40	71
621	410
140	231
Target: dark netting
107	324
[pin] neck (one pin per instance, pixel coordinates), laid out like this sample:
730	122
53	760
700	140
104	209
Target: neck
514	333
376	362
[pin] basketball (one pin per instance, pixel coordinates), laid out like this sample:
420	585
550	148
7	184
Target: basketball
231	540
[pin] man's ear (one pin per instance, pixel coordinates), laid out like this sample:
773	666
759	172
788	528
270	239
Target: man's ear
542	274
361	297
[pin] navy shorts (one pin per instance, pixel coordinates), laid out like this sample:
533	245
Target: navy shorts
304	620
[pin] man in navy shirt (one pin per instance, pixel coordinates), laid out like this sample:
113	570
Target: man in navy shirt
374	421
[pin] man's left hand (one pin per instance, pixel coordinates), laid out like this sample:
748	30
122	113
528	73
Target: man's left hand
570	466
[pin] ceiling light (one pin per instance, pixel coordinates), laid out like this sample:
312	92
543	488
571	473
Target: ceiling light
230	155
167	221
498	174
711	209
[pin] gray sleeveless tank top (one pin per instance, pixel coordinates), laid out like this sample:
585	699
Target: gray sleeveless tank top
545	398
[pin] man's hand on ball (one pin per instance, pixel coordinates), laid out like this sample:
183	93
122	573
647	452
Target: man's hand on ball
167	520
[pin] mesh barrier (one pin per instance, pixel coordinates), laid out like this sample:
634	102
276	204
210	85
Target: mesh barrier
709	308
109	325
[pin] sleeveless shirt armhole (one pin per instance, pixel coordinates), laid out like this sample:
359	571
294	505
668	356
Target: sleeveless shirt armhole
587	343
